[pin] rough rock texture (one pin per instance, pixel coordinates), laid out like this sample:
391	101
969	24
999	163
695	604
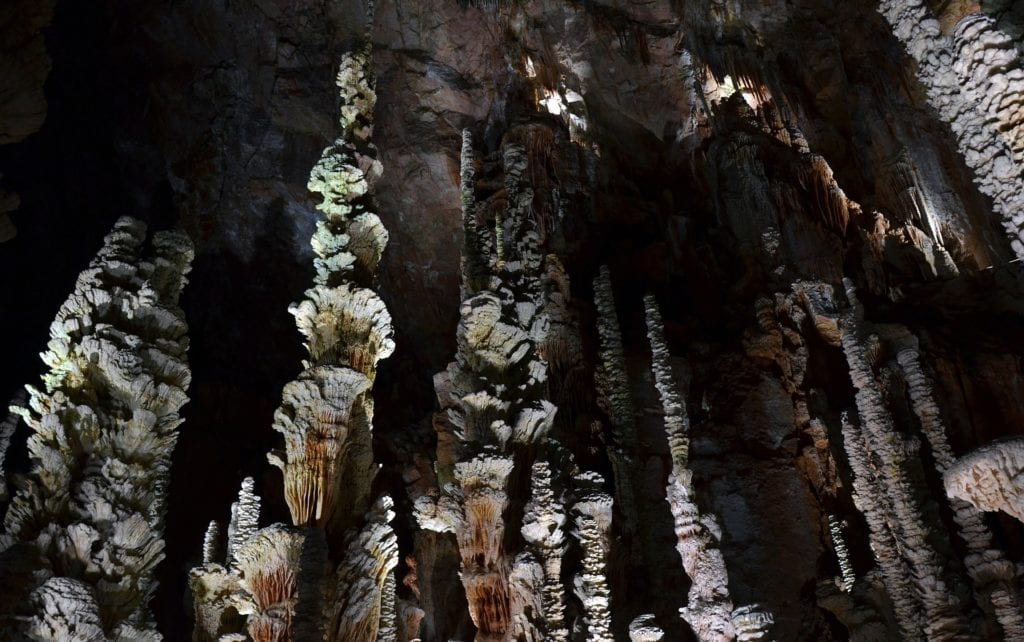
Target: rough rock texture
82	533
711	153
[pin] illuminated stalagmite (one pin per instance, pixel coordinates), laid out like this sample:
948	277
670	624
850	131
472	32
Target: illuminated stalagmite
975	81
990	478
279	577
83	532
494	398
709	608
991	571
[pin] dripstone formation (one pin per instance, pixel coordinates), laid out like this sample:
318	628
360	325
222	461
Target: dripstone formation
649	321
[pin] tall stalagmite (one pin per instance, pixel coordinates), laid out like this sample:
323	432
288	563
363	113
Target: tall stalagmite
83	533
284	583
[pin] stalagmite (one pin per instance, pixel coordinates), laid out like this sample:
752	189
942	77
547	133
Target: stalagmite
365	581
992	573
975	82
885	491
644	629
494	407
613	388
592	513
709	608
752	623
281	573
320	411
847	577
543	530
87	522
326	418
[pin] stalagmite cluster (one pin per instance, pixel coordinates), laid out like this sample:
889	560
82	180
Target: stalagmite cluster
279	577
83	532
494	401
803	447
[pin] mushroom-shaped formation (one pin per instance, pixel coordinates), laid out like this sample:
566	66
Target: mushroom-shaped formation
593	520
487	343
752	623
281	571
644	629
345	325
319	411
991	477
365	578
475	416
484	480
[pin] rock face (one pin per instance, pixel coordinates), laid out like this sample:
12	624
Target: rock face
622	320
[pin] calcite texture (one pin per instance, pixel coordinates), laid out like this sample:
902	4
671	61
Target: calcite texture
710	153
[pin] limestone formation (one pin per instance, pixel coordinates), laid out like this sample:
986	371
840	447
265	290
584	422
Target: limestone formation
885	488
990	478
83	532
592	511
847	577
975	81
991	571
643	629
709	607
279	577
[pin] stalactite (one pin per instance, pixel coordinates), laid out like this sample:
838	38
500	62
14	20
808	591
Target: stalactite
87	522
992	573
975	83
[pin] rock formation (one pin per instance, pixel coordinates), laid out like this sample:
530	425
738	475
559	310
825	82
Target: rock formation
82	535
492	435
279	577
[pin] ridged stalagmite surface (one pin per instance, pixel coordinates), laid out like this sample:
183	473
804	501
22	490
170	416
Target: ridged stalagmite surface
974	80
285	588
87	521
990	478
